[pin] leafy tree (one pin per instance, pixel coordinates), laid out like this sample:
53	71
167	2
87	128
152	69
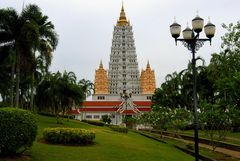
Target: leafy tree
106	119
215	121
180	118
87	87
158	118
59	93
26	33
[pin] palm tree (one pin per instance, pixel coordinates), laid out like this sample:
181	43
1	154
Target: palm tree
19	32
47	39
28	32
58	93
87	87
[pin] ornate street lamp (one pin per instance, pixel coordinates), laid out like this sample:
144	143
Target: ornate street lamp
192	42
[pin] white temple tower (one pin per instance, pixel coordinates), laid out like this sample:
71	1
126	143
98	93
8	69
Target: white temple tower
123	74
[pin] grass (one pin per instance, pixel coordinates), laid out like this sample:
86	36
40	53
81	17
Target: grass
203	151
232	137
109	146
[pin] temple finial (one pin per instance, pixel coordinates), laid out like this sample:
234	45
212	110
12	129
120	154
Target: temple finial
122	21
148	65
101	65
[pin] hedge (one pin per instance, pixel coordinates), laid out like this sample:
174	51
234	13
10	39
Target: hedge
18	130
94	122
119	128
72	136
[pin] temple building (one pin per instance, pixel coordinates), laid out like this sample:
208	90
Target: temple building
101	81
120	91
147	80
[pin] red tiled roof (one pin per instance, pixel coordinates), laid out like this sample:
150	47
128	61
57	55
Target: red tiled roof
114	103
109	109
73	112
101	103
76	112
143	103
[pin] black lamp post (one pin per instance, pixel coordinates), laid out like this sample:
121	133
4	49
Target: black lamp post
192	42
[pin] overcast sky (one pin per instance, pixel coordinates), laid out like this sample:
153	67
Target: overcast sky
85	30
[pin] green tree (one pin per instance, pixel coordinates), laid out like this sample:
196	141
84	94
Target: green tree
180	118
215	121
59	93
106	119
25	33
87	87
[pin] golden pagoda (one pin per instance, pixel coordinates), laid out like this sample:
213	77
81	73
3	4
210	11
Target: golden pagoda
101	80
122	21
147	80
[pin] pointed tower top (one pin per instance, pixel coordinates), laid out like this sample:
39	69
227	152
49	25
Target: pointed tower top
148	65
122	21
100	65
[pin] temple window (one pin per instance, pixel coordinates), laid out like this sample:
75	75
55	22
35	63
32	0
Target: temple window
89	116
96	116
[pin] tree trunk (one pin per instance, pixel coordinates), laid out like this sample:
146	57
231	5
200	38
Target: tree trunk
17	79
32	87
32	93
12	82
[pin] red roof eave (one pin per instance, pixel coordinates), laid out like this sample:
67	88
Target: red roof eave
114	103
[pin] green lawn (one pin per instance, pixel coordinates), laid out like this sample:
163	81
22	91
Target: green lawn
109	146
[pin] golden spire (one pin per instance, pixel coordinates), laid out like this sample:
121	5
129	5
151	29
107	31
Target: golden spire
101	80
122	21
148	65
100	65
147	80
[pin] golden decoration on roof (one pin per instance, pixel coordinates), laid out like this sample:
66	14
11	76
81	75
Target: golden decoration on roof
122	21
101	80
147	80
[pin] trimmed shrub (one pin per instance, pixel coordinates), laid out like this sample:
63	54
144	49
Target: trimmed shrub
18	130
94	122
72	136
119	128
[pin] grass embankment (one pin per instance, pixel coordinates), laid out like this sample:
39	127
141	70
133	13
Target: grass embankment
109	146
232	137
190	147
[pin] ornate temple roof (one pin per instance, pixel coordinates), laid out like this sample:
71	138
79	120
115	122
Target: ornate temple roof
101	80
122	21
148	82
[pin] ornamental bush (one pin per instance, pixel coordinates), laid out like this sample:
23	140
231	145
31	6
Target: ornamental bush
72	136
119	128
94	122
18	130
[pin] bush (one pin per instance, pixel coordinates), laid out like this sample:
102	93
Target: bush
119	128
94	122
68	136
106	119
18	130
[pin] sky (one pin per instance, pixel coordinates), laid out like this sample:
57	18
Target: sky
85	30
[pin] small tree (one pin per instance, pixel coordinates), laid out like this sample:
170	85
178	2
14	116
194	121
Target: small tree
235	119
180	118
106	119
215	121
158	118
